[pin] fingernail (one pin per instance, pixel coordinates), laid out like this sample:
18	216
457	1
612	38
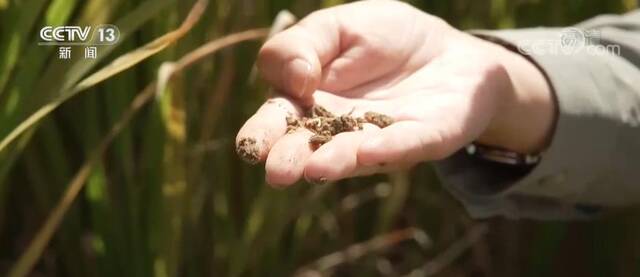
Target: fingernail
319	181
298	73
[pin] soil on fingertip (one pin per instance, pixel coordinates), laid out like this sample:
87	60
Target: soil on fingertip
248	151
325	125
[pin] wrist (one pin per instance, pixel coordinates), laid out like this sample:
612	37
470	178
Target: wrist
526	111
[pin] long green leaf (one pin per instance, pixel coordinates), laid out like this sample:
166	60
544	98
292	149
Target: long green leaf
34	251
120	64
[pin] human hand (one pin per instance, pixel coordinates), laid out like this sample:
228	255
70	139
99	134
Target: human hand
444	88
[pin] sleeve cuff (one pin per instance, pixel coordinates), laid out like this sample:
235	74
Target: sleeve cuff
584	137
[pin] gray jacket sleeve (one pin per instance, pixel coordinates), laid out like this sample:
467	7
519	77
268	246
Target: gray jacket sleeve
593	162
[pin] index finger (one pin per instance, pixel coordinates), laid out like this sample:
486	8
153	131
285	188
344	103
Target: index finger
260	132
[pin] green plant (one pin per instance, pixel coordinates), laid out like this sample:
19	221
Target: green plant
124	165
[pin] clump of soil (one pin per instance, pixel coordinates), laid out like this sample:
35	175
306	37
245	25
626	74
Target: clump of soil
322	123
248	150
378	119
325	125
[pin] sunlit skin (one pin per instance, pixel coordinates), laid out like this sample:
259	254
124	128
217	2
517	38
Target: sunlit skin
443	87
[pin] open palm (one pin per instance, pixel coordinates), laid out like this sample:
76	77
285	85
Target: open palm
440	85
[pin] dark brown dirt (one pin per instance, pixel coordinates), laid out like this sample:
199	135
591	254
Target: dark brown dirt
325	125
248	150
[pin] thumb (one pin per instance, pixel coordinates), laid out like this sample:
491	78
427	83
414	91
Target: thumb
292	60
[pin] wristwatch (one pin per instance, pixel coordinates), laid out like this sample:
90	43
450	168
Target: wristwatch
500	155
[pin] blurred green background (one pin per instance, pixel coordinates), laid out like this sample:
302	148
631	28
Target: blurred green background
163	194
